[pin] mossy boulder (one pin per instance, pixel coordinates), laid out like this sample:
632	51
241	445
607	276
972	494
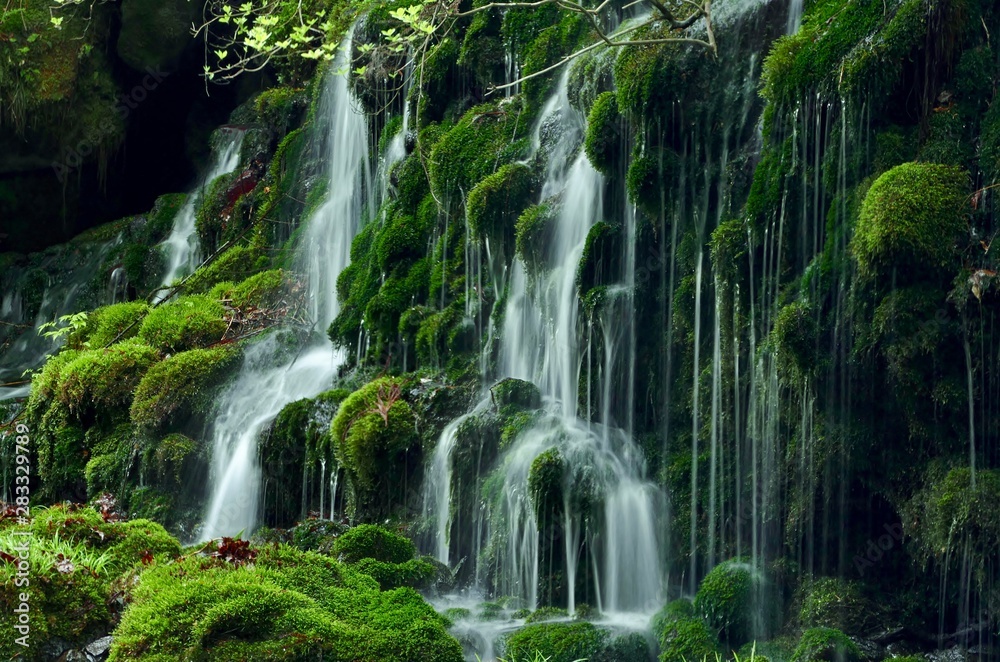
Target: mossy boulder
104	378
836	603
369	541
261	290
605	140
287	604
649	178
497	201
555	642
533	232
516	393
187	323
375	440
687	638
487	138
600	263
796	339
911	220
179	384
829	644
726	600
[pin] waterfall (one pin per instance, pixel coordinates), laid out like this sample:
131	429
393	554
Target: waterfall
181	248
70	273
609	510
269	379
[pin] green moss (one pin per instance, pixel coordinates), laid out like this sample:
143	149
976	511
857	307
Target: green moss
186	323
687	639
556	642
181	383
516	392
830	602
825	644
950	141
543	614
893	146
373	433
725	600
235	265
104	378
631	647
496	202
551	44
650	173
844	49
533	232
108	324
600	262
279	107
546	480
262	290
487	138
989	149
910	222
415	573
288	604
796	337
160	220
603	143
368	541
954	515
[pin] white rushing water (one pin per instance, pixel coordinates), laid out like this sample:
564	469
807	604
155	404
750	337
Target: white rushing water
181	249
609	508
266	382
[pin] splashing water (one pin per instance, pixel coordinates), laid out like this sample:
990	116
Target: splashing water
268	380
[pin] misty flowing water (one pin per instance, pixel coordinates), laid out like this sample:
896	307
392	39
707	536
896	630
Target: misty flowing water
269	379
540	343
181	248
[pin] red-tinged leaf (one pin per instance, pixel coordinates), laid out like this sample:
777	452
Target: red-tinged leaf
147	558
7	558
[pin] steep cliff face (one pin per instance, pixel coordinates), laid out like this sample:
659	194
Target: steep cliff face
663	330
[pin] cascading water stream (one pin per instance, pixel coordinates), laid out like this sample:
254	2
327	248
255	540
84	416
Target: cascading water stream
269	379
181	248
616	521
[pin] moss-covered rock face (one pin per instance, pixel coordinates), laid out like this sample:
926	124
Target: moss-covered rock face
187	323
686	638
376	442
825	644
600	263
387	557
497	201
911	221
485	139
845	50
956	514
726	600
288	604
182	382
533	232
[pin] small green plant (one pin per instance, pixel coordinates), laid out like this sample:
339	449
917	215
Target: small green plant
64	326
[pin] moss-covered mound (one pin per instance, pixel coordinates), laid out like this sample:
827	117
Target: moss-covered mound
286	604
375	439
75	559
187	323
727	600
911	221
180	383
825	644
